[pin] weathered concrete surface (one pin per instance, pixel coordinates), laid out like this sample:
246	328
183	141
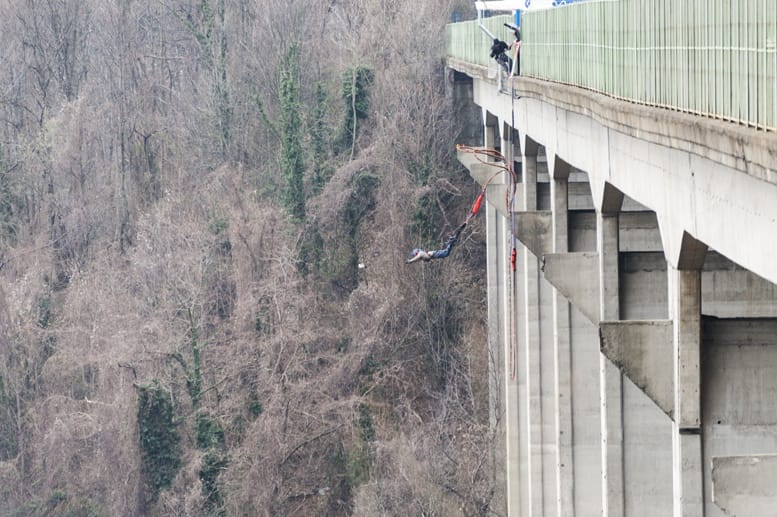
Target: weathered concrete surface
728	290
685	311
711	180
534	230
562	356
644	289
502	453
481	172
638	231
643	352
576	276
744	486
673	188
647	455
496	194
739	380
586	416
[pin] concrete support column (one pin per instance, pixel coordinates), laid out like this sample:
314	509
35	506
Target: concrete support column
565	490
509	331
529	175
502	453
685	310
507	363
490	134
610	380
530	360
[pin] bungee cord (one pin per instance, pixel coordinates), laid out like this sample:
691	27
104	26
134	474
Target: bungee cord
499	161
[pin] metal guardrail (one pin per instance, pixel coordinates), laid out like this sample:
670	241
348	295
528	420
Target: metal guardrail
716	58
466	41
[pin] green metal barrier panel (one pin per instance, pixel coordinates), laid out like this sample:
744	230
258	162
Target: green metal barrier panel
716	58
466	41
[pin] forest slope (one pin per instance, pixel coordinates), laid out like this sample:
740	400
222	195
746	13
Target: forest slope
204	306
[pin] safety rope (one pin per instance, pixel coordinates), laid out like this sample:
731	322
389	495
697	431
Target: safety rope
504	165
491	153
513	251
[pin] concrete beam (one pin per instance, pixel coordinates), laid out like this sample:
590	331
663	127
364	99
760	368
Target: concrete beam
529	146
576	276
610	378
496	195
580	196
637	231
481	173
744	485
730	291
642	350
529	181
685	303
558	169
534	230
562	348
608	197
467	159
504	429
682	250
678	177
684	297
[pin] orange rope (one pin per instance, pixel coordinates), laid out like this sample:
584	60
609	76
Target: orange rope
509	200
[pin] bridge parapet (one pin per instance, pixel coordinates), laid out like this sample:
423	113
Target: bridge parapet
712	58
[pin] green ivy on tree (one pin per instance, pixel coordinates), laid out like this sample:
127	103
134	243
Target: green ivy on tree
192	371
425	219
160	448
209	28
318	141
214	461
8	206
8	437
292	167
360	202
356	100
210	438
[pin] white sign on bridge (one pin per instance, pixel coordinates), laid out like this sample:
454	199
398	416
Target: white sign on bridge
519	5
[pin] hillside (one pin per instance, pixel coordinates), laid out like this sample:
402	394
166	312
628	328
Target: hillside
204	305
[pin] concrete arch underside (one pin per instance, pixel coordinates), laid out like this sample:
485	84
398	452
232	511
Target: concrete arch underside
637	335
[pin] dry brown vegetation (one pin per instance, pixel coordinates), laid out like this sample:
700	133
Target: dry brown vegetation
144	250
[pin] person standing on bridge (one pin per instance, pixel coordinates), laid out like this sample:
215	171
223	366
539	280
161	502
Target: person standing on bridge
498	49
515	46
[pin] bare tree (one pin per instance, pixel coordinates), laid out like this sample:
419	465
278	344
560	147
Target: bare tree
140	160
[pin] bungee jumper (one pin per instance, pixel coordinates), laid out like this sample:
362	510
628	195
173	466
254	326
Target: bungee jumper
426	255
492	158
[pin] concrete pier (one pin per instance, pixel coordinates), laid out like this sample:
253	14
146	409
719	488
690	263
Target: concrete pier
635	346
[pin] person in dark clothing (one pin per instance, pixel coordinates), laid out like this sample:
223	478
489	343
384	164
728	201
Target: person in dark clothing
419	254
498	49
515	46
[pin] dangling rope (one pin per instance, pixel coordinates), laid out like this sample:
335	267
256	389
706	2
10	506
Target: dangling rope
513	252
477	151
417	254
503	165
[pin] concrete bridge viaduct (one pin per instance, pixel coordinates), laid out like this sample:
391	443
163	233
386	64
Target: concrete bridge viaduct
634	349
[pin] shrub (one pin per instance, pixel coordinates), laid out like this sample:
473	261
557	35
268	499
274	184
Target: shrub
208	431
160	449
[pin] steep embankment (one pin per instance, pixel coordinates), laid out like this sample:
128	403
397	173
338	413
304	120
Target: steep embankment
188	192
